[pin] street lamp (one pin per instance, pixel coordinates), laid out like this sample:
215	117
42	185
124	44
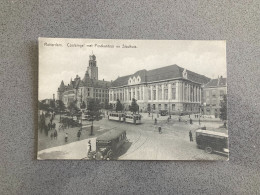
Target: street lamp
169	108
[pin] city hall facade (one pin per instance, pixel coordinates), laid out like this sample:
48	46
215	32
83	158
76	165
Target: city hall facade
79	90
171	88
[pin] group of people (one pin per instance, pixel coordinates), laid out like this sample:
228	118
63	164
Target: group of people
54	134
67	135
196	115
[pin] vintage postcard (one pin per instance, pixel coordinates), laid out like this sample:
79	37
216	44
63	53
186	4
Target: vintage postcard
102	99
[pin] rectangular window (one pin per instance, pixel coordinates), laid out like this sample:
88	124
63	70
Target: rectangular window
166	94
154	94
185	92
173	107
213	93
165	106
159	107
154	107
130	96
149	94
159	93
173	92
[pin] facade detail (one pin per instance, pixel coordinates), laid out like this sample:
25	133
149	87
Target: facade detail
213	93
171	88
80	90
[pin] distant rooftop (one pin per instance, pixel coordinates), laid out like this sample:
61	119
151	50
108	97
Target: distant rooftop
219	82
164	73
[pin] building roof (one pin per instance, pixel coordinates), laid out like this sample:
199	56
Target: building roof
219	82
110	135
86	82
212	133
164	73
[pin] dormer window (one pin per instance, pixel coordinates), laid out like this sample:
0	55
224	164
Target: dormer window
184	74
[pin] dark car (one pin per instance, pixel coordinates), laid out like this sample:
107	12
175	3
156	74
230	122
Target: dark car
163	112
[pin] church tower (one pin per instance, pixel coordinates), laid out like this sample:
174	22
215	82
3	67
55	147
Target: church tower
92	67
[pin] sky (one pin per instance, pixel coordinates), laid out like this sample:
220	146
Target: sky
63	59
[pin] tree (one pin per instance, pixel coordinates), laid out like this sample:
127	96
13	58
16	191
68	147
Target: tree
93	108
43	106
119	106
60	105
223	110
134	106
106	106
52	105
148	108
83	105
73	108
110	106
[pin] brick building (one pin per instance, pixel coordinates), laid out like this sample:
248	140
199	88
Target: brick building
213	93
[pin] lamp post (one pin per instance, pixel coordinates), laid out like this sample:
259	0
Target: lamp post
60	112
81	110
169	108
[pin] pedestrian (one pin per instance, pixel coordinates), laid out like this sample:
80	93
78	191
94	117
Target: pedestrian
79	134
49	126
89	146
51	135
66	137
190	121
168	119
179	118
155	121
160	129
190	135
55	134
149	114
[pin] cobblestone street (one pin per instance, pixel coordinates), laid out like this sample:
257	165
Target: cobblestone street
145	141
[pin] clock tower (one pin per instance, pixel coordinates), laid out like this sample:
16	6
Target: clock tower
92	67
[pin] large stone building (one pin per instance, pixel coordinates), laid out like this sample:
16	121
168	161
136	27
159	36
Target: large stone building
171	88
80	90
213	93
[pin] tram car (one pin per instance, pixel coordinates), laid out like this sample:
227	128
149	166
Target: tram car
133	118
212	141
116	116
109	145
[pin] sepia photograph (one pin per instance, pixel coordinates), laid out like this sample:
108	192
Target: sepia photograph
105	99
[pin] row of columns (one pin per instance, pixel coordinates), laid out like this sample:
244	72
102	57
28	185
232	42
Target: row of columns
184	92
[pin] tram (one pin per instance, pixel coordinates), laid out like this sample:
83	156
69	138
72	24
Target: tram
212	141
133	118
109	145
116	116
